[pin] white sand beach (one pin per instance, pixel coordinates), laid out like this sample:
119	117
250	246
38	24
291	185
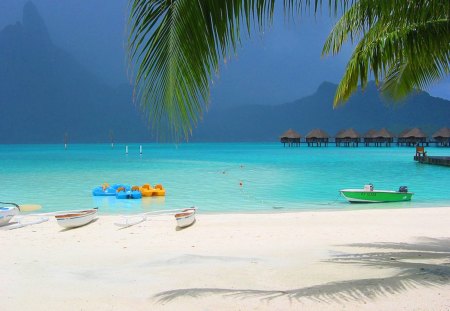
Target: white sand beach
396	259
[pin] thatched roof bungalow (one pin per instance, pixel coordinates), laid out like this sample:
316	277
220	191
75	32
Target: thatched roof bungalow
369	136
405	131
347	137
291	138
379	138
442	137
370	133
317	137
384	133
412	137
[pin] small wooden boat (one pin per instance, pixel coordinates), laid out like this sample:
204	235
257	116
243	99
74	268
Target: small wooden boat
76	219
369	195
185	218
131	220
8	212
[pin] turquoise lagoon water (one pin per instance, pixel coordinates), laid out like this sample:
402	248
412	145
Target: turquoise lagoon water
209	176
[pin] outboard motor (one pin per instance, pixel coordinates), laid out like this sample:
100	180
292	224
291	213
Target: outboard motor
403	189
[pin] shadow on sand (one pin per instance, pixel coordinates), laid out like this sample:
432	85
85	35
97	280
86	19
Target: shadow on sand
74	228
425	263
178	228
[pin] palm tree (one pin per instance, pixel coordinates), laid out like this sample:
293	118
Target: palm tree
177	46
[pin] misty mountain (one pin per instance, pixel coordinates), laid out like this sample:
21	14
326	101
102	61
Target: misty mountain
45	93
365	110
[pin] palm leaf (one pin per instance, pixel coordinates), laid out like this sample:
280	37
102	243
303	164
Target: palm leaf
411	57
178	46
405	42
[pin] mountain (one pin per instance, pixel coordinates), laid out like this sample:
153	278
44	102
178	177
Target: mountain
365	110
45	93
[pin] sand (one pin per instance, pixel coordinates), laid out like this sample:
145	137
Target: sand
396	259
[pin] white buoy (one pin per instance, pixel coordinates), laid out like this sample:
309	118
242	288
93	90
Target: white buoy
112	145
65	146
140	149
126	149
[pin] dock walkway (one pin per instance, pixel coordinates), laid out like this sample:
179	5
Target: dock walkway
445	161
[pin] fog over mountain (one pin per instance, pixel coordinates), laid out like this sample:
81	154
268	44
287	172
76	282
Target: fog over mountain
280	65
365	110
45	92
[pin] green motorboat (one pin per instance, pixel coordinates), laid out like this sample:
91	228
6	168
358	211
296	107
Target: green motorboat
369	195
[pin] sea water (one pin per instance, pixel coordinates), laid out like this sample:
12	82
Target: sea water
217	177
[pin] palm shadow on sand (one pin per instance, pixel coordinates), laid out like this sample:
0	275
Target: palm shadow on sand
422	264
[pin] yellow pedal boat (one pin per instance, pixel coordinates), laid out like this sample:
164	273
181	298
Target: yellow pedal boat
147	190
159	190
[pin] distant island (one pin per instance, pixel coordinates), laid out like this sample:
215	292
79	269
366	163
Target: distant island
364	111
46	96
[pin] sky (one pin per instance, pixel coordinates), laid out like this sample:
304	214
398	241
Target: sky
281	65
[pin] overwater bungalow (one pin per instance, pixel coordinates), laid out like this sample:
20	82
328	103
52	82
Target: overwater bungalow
317	137
383	136
369	137
291	138
442	137
347	138
414	137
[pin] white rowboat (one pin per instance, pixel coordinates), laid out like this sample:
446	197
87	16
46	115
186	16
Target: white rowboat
78	219
185	218
7	213
128	221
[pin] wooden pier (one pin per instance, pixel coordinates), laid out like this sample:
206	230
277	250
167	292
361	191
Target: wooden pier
382	138
444	161
422	157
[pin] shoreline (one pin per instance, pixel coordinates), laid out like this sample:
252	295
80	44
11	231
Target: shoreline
370	207
375	259
346	207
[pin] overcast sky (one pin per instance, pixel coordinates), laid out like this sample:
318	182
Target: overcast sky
279	66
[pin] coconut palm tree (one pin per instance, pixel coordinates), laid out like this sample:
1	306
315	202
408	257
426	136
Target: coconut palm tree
177	46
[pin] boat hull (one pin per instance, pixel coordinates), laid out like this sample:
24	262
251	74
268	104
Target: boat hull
7	213
376	196
74	220
185	219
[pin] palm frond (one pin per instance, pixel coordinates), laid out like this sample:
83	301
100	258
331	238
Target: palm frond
409	53
426	59
178	45
364	14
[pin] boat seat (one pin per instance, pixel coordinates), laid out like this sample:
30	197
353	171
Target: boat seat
420	151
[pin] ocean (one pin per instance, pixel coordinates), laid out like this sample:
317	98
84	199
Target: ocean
216	177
